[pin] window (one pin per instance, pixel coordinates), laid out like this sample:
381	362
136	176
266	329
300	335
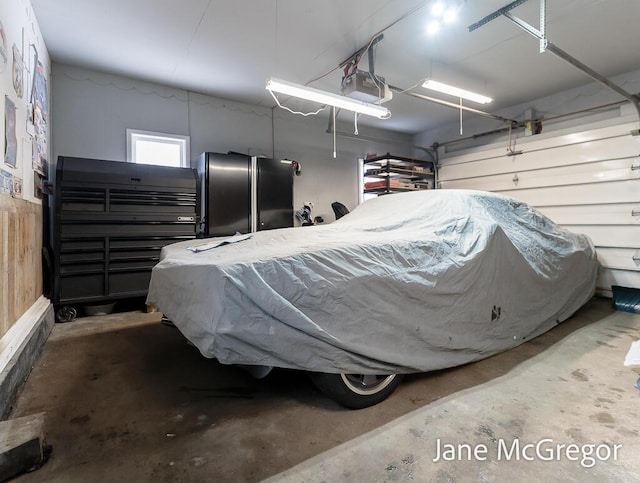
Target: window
145	147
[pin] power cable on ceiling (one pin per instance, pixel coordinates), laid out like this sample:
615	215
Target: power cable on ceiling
318	111
195	32
373	37
188	99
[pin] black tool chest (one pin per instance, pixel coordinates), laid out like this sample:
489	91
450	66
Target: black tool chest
110	221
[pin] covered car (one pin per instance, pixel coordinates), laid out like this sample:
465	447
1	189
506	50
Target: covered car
405	283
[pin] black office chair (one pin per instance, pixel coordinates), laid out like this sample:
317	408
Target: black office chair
339	209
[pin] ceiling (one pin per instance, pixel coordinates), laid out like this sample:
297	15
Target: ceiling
228	48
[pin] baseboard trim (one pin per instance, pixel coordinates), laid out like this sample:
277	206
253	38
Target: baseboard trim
20	347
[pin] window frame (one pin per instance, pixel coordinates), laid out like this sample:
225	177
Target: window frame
162	138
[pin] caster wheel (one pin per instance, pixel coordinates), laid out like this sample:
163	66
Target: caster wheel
66	314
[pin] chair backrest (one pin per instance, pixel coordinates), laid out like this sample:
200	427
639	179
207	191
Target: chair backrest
339	209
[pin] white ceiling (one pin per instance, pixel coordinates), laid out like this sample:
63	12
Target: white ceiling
227	48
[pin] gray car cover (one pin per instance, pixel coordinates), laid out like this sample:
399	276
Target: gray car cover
405	283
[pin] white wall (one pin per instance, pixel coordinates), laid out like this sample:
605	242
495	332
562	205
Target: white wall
92	110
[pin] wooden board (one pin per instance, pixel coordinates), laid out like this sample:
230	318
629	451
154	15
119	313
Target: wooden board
20	258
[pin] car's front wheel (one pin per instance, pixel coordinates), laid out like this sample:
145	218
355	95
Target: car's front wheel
356	391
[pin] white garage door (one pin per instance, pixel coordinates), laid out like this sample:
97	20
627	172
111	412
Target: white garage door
588	182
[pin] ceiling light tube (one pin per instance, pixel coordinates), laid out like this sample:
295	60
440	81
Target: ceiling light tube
456	91
323	97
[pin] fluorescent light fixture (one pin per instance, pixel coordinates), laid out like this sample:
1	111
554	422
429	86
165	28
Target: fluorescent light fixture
323	97
456	91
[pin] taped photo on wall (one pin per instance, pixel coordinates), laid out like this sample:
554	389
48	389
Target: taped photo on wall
11	141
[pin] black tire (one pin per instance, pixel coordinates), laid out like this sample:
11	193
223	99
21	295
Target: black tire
356	391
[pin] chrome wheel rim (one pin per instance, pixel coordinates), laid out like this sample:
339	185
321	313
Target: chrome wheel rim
366	384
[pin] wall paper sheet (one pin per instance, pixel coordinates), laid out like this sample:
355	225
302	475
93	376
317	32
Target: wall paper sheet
24	88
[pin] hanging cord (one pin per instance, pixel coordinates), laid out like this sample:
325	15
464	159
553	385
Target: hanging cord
511	146
314	113
355	123
420	82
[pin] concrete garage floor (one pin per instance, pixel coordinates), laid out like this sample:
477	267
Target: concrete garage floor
127	398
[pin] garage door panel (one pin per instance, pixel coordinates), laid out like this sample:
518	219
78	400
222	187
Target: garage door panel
599	193
623	148
609	214
610	236
613	170
616	134
623	278
620	258
586	181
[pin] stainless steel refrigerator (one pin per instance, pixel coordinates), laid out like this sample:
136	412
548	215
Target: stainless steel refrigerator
240	193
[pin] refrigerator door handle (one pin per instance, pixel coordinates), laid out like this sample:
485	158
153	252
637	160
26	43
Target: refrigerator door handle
254	194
